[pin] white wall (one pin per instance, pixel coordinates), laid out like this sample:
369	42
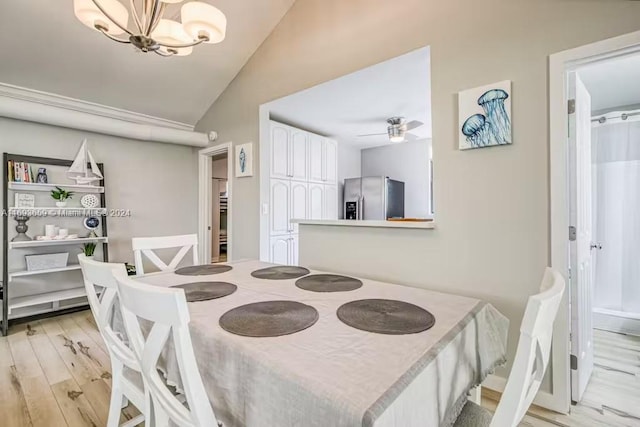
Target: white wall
407	162
492	236
158	183
349	166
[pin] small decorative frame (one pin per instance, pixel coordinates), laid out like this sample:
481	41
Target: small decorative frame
244	160
23	200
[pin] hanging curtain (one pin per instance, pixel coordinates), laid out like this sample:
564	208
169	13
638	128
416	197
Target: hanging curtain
616	214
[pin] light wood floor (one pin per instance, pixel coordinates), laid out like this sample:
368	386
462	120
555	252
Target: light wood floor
55	373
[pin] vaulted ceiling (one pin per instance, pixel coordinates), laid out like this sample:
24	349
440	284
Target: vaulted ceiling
44	47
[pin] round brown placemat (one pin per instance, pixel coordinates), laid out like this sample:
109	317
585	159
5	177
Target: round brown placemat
204	291
328	283
383	316
203	270
280	272
269	319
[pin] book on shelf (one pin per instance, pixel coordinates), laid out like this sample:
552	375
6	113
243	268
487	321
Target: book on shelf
20	172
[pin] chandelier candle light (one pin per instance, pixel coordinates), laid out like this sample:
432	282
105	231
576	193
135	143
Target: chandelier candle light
201	23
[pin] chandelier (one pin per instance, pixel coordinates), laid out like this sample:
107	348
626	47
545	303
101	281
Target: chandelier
151	32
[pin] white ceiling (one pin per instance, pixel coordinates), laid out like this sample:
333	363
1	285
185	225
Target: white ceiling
359	103
613	83
44	47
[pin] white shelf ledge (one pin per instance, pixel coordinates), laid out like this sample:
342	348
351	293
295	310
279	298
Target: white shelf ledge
29	300
425	225
34	186
23	273
61	242
54	211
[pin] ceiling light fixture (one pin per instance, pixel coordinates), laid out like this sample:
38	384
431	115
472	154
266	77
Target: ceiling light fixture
201	23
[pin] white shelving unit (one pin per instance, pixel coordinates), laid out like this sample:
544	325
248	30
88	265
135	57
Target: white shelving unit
23	273
61	242
33	186
47	296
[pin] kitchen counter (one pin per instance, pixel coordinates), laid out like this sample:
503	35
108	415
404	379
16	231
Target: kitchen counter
425	225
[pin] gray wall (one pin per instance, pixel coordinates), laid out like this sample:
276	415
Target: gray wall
157	182
492	237
349	166
407	162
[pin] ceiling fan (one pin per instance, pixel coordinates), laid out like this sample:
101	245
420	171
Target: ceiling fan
398	130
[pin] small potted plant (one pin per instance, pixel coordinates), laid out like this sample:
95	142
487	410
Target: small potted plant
89	249
61	196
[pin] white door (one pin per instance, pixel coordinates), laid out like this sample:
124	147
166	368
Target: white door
580	216
330	161
280	249
293	245
316	201
280	162
298	153
330	202
298	202
280	209
316	171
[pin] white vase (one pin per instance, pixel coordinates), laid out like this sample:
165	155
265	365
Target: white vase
61	204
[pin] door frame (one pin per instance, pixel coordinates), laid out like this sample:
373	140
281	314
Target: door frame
205	175
560	64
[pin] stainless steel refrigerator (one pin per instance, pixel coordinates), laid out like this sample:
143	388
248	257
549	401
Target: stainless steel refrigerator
373	197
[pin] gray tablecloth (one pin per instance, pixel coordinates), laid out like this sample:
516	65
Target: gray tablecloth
335	375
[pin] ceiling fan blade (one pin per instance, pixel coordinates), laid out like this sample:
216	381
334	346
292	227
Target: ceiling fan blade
413	124
410	137
372	134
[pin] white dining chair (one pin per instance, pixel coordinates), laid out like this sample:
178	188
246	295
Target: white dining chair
147	245
530	363
166	311
126	378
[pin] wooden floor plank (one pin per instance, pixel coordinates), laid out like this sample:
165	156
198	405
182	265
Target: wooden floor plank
41	403
81	369
85	345
13	405
75	406
50	361
89	328
24	358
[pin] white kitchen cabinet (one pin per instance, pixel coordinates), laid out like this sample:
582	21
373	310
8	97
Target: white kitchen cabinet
299	149
330	202
316	150
280	249
280	207
330	161
280	151
293	246
303	185
316	201
299	203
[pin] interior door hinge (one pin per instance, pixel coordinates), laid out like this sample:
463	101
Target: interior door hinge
574	362
571	106
573	233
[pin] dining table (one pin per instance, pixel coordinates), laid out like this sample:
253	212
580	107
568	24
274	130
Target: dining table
332	374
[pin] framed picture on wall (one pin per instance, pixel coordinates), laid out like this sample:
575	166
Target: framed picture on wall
244	160
485	116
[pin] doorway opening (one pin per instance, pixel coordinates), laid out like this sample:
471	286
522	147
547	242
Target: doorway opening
595	195
215	203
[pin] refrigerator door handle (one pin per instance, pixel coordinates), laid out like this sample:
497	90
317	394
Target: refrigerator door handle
361	208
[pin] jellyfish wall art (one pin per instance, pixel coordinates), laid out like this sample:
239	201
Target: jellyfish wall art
485	116
244	160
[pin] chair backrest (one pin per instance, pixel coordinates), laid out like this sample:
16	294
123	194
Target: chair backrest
166	310
103	304
532	355
147	245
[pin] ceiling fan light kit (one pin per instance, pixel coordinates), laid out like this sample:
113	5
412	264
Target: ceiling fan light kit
201	23
398	128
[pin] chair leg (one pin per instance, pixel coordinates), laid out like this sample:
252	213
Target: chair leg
117	398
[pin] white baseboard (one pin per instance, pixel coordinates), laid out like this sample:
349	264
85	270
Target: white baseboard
544	399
